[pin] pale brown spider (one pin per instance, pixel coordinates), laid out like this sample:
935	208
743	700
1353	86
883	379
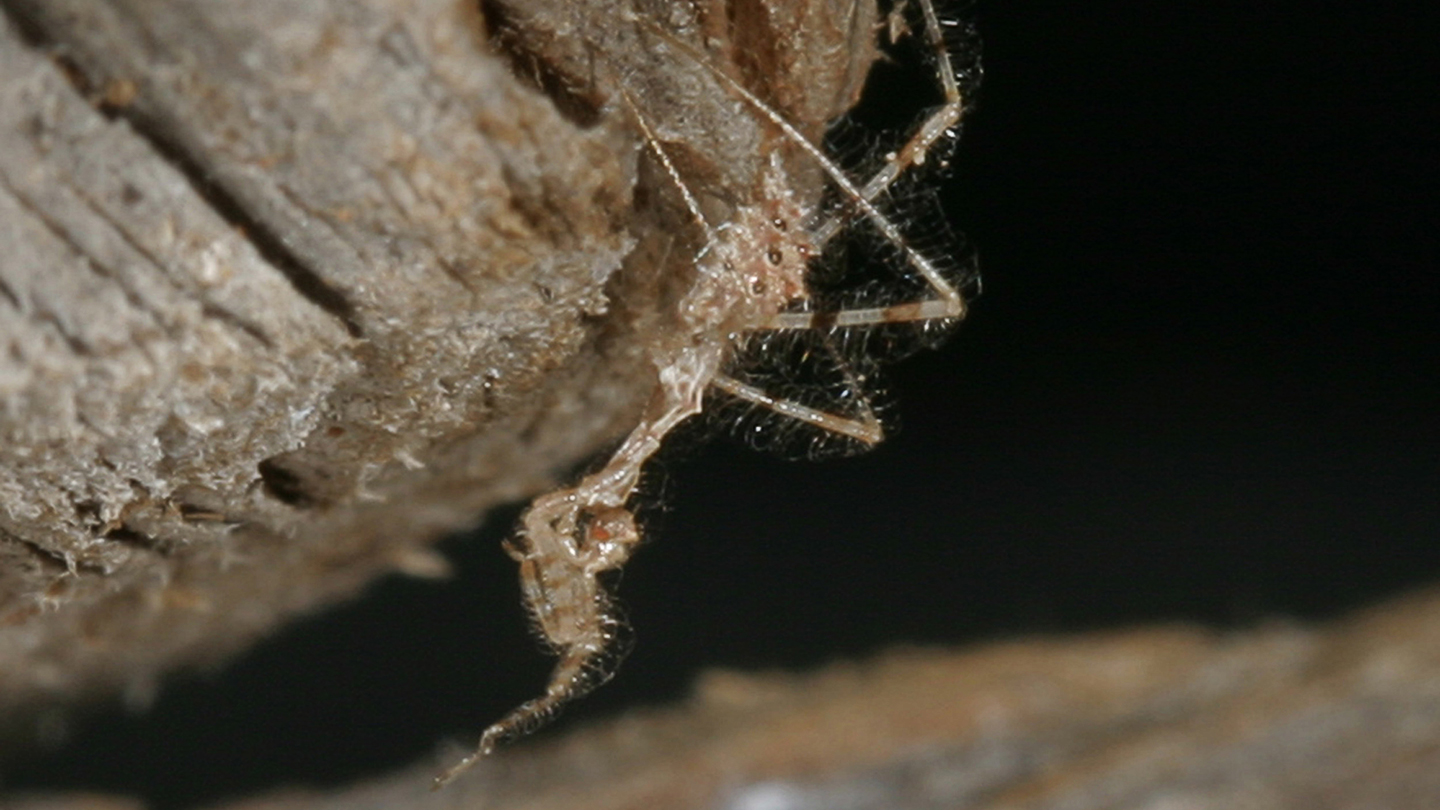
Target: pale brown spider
750	277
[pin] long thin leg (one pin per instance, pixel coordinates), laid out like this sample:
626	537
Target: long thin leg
927	310
571	536
937	126
866	429
575	674
654	144
862	199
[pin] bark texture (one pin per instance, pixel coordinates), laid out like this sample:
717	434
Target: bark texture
291	289
1340	717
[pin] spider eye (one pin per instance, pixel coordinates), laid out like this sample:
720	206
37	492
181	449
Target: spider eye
757	287
774	256
779	224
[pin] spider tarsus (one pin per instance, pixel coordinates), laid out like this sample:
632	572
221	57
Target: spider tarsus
448	775
583	666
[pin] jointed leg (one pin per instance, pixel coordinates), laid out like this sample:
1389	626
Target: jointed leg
571	536
866	429
927	310
862	198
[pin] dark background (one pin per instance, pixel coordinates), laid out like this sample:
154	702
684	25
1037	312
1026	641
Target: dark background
1202	385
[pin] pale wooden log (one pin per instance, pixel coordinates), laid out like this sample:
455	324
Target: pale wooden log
290	289
1338	717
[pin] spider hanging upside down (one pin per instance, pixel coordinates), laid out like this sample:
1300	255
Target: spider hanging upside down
752	276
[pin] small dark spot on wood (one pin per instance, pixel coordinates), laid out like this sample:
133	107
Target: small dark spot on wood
574	98
89	512
9	295
304	479
195	514
47	559
487	388
130	195
36	128
31	31
397	44
198	504
73	74
284	484
221	314
131	537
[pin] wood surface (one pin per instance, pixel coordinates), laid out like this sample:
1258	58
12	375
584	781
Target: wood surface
1344	716
290	290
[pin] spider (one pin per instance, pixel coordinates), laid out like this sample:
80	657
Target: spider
752	277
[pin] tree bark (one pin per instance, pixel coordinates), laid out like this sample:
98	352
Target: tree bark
291	289
1337	717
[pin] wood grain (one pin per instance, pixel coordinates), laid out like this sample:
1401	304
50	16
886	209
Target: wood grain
292	289
1344	716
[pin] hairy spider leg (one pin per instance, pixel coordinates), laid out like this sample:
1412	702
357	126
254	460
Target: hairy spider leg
866	429
939	124
948	303
580	625
559	576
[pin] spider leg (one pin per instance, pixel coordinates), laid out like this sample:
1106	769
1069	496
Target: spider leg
654	143
572	535
938	125
866	429
862	199
569	606
927	310
581	668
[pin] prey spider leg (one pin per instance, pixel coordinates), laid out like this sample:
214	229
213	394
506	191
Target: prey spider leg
567	539
865	429
751	275
939	124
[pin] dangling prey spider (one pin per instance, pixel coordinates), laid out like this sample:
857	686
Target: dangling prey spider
752	276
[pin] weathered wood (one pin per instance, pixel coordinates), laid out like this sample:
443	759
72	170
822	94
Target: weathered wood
1317	718
290	289
1339	717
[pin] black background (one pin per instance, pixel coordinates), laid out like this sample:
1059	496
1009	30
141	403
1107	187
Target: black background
1202	384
